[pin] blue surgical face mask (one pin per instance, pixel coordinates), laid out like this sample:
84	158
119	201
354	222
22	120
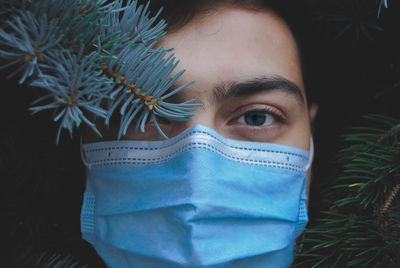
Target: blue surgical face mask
196	200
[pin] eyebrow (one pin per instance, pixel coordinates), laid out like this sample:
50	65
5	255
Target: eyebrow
225	90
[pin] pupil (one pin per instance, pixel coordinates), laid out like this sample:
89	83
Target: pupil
255	118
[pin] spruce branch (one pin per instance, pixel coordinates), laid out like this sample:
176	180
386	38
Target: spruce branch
114	44
360	226
25	43
391	131
382	3
353	20
395	192
74	85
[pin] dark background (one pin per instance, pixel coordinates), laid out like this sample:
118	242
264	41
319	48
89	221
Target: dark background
354	65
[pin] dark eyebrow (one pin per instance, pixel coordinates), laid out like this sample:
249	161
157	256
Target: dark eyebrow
225	90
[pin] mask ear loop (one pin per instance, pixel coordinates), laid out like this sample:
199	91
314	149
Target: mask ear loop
311	156
85	162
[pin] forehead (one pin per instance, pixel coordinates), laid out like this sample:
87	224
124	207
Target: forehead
230	44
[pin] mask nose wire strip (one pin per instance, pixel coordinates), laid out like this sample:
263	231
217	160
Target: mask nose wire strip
85	162
311	156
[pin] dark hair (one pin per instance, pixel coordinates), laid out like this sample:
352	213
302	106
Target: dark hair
295	13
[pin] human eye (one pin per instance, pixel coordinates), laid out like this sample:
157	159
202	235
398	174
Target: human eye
257	122
258	115
256	118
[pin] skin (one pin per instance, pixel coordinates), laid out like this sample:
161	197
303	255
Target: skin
226	51
232	45
229	46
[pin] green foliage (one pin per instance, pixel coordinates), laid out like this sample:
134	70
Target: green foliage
361	226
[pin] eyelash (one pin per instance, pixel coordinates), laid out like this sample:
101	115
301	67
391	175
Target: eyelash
274	112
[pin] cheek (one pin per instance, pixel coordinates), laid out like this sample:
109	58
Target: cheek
297	135
255	134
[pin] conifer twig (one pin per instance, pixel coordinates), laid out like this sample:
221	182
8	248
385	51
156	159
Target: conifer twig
390	199
390	132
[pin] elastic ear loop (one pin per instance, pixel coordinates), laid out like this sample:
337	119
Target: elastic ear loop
303	206
311	156
84	161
